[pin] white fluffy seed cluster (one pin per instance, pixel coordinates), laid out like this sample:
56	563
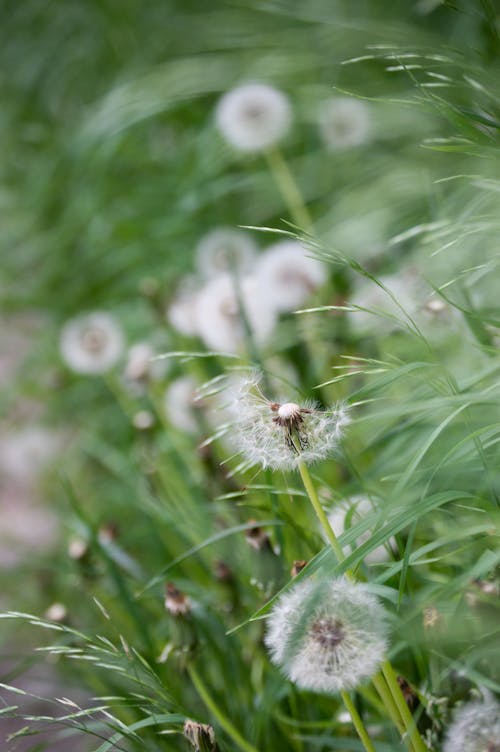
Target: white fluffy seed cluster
91	343
266	438
240	290
347	513
344	123
328	634
253	117
475	728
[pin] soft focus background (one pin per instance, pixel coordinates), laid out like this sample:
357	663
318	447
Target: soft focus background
113	172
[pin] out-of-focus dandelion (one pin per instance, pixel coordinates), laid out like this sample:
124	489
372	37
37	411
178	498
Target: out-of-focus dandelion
347	513
91	343
219	317
180	403
181	311
177	603
377	306
344	122
327	635
288	276
225	249
475	728
26	452
283	435
253	117
142	367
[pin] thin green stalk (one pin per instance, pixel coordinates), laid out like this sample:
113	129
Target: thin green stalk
358	723
323	519
289	189
380	685
222	720
408	720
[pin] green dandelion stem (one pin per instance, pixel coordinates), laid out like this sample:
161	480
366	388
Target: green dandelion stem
407	718
222	720
385	695
289	189
358	723
323	519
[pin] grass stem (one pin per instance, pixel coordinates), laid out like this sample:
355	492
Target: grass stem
358	723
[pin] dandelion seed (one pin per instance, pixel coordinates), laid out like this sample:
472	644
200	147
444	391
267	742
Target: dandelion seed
91	343
344	122
225	249
177	603
280	435
218	315
180	404
347	513
328	634
475	728
253	117
201	736
288	276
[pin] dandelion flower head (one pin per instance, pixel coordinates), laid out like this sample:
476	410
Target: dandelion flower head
253	117
225	249
475	728
91	343
180	404
280	435
288	275
180	312
344	122
327	635
350	511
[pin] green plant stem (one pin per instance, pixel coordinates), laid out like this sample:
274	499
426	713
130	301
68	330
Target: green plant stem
289	189
222	720
358	723
407	718
380	685
323	519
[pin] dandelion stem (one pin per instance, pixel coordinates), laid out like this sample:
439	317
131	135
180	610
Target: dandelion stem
222	720
358	723
289	189
323	519
407	718
381	686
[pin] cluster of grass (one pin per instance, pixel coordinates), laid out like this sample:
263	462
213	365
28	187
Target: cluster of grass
114	170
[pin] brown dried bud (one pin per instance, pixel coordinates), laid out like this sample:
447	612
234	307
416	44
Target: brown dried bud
408	692
256	537
297	567
108	532
176	602
200	735
222	572
431	617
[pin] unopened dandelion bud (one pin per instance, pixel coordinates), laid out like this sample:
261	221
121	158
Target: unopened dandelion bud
257	538
201	736
222	572
253	117
283	434
298	566
327	635
475	728
177	603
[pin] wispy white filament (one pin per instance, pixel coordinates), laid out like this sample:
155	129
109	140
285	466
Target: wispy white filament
475	728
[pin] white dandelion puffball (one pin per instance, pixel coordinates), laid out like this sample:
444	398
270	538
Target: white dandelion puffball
91	343
475	728
347	513
219	318
180	403
141	365
26	452
225	249
282	435
288	276
327	635
180	313
344	122
253	117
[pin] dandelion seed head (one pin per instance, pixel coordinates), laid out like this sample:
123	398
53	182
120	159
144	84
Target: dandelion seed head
253	117
219	320
344	122
225	249
281	435
475	728
180	403
180	312
91	343
288	276
328	634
